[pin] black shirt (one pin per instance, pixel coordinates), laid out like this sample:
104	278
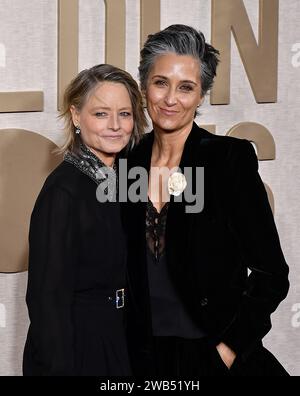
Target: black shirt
169	316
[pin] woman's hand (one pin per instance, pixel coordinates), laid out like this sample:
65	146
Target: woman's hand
227	354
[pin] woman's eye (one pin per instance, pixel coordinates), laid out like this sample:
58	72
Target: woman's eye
101	114
125	114
160	82
186	88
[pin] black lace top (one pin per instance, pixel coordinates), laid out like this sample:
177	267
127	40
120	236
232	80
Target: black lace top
155	229
169	316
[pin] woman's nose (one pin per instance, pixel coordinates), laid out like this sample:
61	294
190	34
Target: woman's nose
171	98
114	123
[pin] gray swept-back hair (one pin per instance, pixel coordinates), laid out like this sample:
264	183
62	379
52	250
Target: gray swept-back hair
181	40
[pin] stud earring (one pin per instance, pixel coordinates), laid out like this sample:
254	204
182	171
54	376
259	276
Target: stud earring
78	130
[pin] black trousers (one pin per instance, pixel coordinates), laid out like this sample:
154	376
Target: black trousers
191	358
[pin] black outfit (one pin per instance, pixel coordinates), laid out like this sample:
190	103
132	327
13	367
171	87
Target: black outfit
77	260
169	316
207	258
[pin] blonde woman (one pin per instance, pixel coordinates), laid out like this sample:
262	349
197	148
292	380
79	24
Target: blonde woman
76	292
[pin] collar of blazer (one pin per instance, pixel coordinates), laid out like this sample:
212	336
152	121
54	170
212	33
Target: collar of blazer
141	156
195	153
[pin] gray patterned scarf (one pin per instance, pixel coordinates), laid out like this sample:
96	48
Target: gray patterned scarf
89	164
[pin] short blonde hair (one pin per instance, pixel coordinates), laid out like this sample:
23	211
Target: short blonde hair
78	91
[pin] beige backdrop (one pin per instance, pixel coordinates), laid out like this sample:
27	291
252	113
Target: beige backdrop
28	62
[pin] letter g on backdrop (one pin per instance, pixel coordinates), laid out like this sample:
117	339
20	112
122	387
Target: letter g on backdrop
25	162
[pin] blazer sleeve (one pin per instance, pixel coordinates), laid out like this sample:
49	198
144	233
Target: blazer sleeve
50	282
252	222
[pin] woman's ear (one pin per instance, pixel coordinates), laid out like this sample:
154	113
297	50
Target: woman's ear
201	101
75	115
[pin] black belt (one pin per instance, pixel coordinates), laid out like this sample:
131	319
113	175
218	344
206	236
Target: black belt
99	297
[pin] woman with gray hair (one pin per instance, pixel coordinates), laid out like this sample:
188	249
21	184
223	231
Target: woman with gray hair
194	310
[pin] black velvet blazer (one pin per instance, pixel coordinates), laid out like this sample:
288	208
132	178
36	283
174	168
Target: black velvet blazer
209	253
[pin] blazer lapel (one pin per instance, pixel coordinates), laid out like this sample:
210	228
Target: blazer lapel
178	229
179	222
136	224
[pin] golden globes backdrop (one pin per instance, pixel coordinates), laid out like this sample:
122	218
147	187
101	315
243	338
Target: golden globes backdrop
44	43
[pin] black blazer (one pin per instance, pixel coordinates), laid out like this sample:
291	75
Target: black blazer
209	253
77	257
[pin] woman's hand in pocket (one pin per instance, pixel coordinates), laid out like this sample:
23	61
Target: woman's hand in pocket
227	355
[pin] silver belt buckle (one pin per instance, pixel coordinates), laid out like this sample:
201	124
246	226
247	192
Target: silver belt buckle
120	298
